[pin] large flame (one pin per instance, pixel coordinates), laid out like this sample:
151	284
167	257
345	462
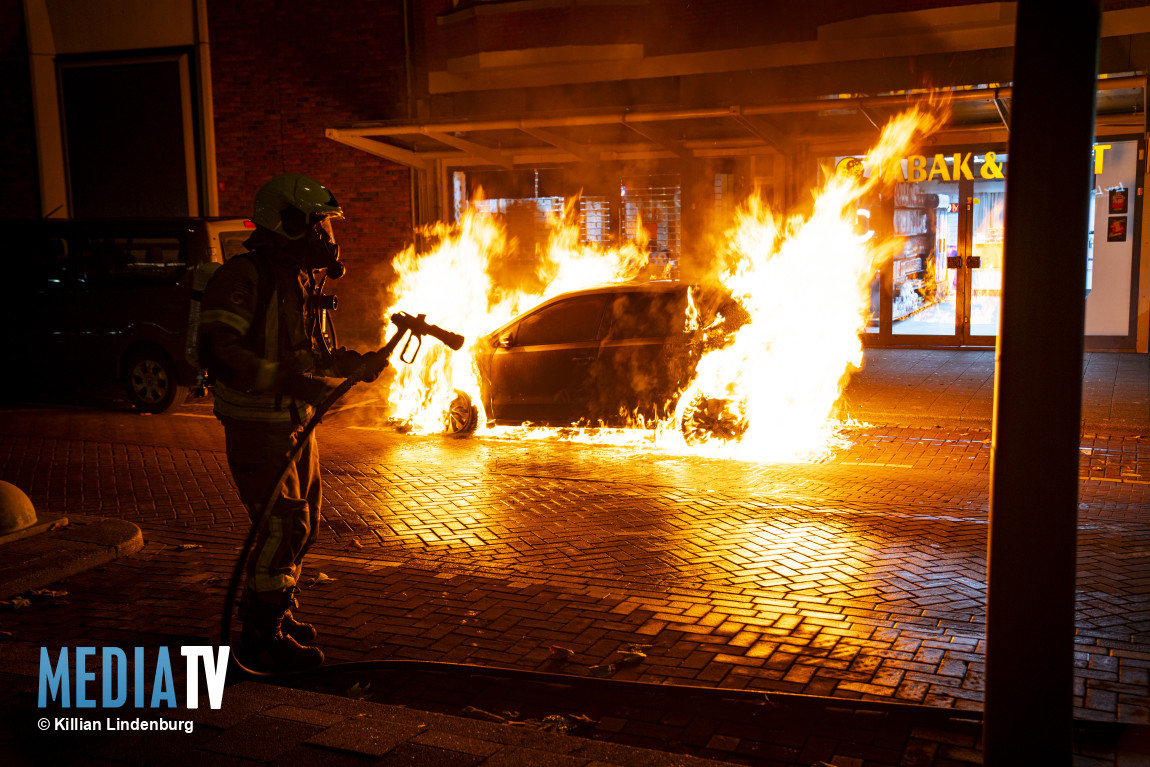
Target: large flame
770	391
465	283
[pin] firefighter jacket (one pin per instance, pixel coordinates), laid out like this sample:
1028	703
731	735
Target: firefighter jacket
258	339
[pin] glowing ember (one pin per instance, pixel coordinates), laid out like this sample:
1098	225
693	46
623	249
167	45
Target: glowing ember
769	393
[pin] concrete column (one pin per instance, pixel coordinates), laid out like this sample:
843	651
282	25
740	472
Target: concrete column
1038	388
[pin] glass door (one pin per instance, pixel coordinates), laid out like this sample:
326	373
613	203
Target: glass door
983	262
925	279
946	276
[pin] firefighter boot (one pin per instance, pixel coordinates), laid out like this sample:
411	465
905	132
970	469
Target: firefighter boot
300	632
303	633
264	643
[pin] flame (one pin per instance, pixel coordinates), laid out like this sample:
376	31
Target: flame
769	392
806	285
466	283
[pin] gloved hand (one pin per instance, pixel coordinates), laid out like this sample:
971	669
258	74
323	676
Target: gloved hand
373	363
309	388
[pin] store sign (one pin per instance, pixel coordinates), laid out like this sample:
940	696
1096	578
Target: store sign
958	166
919	167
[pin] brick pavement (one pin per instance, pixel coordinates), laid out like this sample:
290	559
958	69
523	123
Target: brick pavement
888	605
859	577
956	387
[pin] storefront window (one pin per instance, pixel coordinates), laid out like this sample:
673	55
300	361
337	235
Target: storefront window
1111	238
947	216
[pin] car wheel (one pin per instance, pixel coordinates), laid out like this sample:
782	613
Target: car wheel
150	382
709	418
462	416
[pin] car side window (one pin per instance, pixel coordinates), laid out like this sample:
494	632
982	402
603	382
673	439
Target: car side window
647	315
117	259
567	322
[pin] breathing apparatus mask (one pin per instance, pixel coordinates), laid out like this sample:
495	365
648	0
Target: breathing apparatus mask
315	242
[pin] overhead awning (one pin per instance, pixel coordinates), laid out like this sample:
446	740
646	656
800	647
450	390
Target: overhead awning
620	135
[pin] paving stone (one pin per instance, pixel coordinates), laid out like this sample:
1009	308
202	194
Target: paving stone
261	737
362	735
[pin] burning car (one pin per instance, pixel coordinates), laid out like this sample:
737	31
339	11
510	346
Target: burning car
617	355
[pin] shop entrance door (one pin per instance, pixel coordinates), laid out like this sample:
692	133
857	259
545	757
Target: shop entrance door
946	281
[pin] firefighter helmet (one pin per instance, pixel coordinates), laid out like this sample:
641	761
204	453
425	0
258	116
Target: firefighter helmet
290	204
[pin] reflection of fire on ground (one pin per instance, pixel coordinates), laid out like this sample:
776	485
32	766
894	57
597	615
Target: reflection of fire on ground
769	392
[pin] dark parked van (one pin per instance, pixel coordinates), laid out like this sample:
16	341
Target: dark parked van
97	302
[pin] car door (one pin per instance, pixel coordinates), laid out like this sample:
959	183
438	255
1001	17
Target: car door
541	371
635	372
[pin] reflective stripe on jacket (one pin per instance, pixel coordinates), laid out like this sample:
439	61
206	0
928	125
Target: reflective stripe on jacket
253	332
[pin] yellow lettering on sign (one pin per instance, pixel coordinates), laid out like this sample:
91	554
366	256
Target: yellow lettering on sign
992	168
939	168
962	166
917	167
1099	153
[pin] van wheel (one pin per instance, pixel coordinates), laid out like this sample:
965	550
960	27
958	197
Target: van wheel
150	382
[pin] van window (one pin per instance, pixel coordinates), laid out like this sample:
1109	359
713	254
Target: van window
232	243
49	260
131	258
566	322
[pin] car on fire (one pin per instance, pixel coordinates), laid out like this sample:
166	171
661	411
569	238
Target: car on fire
614	355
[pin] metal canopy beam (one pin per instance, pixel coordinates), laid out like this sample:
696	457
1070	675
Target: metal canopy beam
870	118
379	149
582	151
758	128
672	145
1003	114
493	156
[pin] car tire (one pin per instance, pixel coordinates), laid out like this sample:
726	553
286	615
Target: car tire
708	418
151	383
462	417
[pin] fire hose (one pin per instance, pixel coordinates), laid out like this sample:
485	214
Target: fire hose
404	323
418	327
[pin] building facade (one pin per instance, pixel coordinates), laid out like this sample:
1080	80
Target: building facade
660	114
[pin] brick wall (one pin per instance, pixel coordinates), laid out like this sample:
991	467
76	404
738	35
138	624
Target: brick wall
284	71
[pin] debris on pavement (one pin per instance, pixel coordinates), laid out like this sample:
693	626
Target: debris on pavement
560	653
357	692
559	723
478	713
631	658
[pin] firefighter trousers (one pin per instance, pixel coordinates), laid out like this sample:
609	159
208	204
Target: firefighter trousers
256	454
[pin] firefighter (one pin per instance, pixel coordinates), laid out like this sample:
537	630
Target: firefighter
260	342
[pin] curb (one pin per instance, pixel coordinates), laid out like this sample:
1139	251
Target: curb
81	544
